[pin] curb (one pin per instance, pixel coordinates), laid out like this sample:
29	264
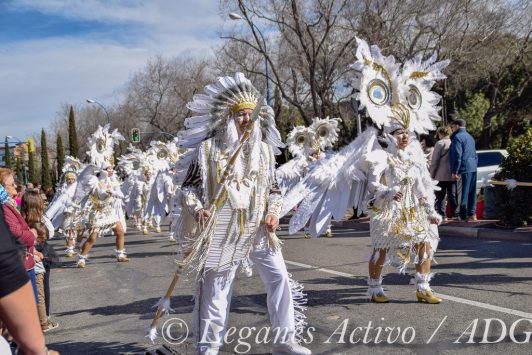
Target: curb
486	233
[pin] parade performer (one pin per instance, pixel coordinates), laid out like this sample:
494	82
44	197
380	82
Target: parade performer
383	171
230	211
103	204
63	212
140	194
307	145
165	183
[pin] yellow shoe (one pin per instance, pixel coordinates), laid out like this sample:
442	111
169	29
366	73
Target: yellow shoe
70	253
329	234
380	299
308	236
81	264
122	259
428	297
158	230
145	231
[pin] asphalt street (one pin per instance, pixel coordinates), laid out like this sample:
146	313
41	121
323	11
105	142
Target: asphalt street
486	288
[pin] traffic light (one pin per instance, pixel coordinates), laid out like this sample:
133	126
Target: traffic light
135	135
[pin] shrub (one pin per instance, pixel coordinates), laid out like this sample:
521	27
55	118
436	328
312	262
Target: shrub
515	206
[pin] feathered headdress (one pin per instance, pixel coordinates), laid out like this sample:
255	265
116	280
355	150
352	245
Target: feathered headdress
101	145
220	100
71	167
397	96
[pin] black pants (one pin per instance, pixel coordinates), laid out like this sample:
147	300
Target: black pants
448	189
47	290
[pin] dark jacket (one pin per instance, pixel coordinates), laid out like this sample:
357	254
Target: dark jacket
463	153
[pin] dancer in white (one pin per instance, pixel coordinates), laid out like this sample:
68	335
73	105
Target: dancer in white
383	171
63	211
231	192
307	145
104	197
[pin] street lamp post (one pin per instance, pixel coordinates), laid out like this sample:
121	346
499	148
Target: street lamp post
237	17
91	101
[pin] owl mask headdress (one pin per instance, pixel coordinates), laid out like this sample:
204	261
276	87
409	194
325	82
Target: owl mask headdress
216	106
101	145
321	134
398	96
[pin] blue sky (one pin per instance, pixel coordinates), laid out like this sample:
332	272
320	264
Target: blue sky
64	51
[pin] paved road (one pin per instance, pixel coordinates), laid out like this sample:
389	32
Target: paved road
103	308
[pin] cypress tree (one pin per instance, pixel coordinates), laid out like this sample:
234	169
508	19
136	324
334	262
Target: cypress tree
31	167
46	177
72	134
60	155
18	170
7	156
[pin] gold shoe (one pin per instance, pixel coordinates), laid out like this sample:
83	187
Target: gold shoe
428	297
70	254
380	299
81	264
122	259
307	236
145	231
329	234
158	230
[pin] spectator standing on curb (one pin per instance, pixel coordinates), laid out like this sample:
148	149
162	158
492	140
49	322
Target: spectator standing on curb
427	143
440	169
18	227
464	162
17	309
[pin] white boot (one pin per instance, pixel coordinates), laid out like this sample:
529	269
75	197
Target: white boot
290	348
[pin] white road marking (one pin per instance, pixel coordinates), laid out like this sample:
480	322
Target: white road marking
447	297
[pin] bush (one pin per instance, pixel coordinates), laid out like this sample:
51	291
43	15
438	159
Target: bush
515	206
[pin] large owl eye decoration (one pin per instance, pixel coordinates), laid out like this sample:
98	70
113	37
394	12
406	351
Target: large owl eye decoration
300	138
414	97
323	131
162	154
100	145
378	92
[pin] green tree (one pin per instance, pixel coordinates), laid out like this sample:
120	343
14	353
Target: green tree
72	135
473	112
31	167
60	155
46	177
18	169
7	157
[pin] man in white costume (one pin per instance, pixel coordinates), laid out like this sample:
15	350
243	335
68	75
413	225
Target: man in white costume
233	204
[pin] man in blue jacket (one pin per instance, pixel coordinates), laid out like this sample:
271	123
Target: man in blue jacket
463	156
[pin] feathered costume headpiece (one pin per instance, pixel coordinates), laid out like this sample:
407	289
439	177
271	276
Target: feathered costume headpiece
101	145
217	105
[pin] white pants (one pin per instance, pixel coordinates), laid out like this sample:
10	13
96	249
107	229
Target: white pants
215	292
